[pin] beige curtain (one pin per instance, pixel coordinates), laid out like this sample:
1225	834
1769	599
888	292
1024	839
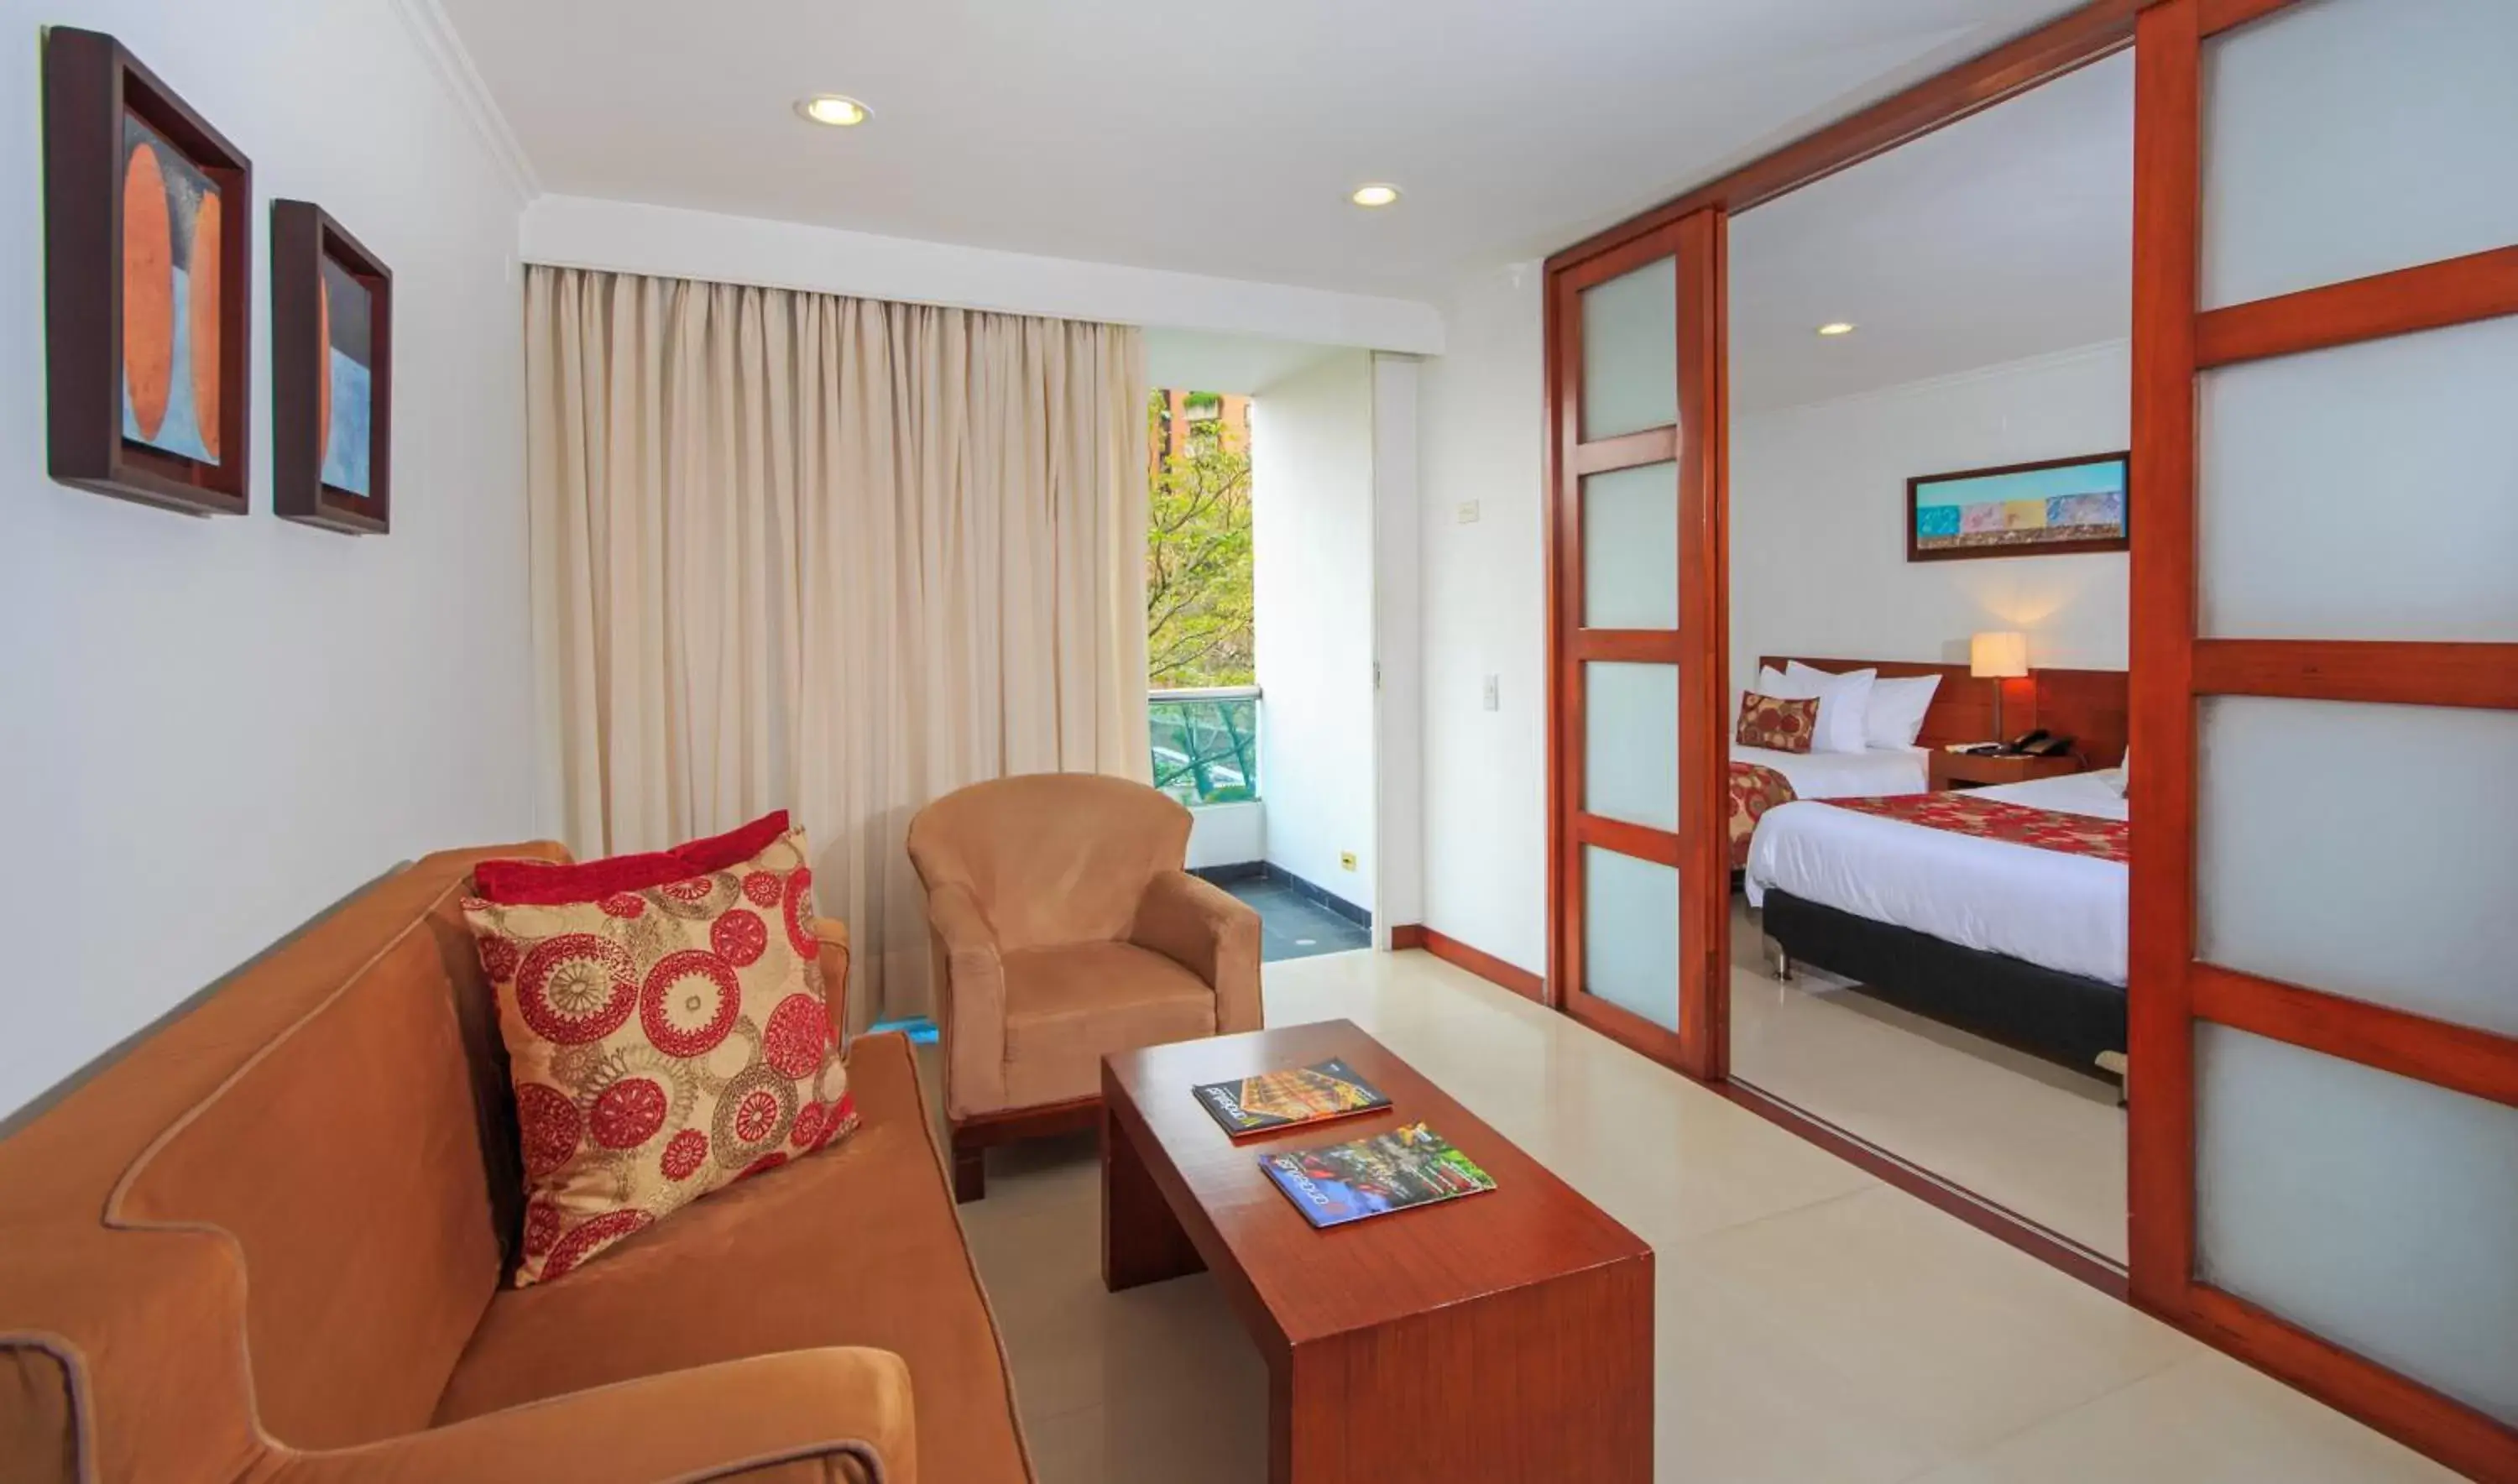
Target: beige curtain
829	554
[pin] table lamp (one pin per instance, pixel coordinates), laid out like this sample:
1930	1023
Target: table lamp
1998	655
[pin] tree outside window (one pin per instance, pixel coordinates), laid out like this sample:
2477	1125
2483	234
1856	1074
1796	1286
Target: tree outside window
1198	607
1198	552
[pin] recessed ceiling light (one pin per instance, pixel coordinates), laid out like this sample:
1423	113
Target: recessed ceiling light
833	110
1836	327
1374	195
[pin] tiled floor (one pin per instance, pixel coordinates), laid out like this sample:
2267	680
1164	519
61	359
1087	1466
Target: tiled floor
1813	1324
1292	925
2021	1132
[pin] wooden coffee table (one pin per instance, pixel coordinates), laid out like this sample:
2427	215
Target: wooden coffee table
1504	1335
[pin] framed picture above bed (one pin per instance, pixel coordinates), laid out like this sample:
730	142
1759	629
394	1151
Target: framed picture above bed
2046	509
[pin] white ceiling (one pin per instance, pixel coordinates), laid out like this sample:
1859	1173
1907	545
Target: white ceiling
2002	238
1217	140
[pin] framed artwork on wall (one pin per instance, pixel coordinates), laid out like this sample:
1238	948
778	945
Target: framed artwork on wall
2020	510
332	374
148	239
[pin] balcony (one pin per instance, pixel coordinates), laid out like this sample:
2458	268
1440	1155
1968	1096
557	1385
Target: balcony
1206	744
1206	755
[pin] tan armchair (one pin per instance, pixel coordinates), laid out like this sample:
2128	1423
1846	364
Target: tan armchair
1064	927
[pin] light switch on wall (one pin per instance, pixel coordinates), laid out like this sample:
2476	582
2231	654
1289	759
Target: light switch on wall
1468	513
1495	693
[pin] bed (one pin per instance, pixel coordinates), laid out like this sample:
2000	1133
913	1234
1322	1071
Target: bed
2002	911
1763	778
1760	778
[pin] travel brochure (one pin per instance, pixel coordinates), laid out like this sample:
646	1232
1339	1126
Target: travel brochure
1387	1172
1330	1089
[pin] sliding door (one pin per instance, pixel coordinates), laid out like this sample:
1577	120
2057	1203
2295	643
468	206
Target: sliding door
2325	1057
1637	643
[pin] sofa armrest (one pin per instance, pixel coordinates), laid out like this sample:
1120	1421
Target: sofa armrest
970	999
828	1416
831	955
1210	932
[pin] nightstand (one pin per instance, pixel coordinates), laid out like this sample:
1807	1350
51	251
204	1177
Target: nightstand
1955	770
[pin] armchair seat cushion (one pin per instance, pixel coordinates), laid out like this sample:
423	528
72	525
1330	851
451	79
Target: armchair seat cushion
1067	1006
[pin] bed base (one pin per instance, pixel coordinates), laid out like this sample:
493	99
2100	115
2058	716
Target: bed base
2064	1017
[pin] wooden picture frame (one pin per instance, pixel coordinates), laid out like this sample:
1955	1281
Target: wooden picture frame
141	196
2086	502
332	374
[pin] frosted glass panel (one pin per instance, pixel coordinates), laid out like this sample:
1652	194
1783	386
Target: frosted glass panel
1631	352
1631	743
1630	933
2369	850
2372	1209
2349	137
1630	548
2369	492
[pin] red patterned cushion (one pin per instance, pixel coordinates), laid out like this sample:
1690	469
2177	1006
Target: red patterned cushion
541	882
1778	726
664	1040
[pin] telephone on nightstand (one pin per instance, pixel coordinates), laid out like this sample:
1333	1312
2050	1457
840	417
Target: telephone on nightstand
2040	743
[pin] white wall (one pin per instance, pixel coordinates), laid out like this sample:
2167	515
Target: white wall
1227	834
1310	519
1398	644
214	728
1484	781
1818	513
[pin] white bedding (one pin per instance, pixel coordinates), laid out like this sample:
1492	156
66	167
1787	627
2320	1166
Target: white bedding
1870	773
2068	912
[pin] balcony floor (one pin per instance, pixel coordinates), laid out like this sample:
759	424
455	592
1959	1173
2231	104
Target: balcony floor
1292	925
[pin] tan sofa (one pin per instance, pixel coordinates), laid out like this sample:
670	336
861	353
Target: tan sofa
1064	927
268	1243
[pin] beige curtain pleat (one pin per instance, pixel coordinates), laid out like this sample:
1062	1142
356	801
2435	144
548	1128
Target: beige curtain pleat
834	555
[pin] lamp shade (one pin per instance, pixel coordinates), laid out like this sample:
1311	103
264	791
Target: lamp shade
1998	655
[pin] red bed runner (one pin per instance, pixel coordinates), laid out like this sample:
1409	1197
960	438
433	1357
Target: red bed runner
1964	814
1753	791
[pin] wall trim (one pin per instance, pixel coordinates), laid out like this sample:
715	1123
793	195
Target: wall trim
1484	965
672	242
444	47
1319	896
1234	870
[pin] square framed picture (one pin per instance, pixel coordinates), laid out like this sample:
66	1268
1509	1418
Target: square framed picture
332	374
148	239
2021	509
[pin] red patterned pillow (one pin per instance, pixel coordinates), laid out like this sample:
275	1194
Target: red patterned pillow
665	1042
549	884
1778	726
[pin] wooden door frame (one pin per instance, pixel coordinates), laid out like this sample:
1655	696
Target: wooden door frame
2170	666
2175	340
1693	229
1701	1045
1698	443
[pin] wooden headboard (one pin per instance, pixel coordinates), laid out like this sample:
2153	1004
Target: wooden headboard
2089	706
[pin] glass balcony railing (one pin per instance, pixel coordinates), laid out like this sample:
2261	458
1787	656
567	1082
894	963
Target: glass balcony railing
1206	744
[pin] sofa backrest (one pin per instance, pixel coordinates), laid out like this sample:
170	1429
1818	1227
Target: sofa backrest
1052	858
312	1151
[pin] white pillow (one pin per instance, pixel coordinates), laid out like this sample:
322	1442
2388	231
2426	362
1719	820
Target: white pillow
1897	706
2121	777
1844	703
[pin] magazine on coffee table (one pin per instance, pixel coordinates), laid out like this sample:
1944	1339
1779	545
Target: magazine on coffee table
1388	1172
1330	1089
